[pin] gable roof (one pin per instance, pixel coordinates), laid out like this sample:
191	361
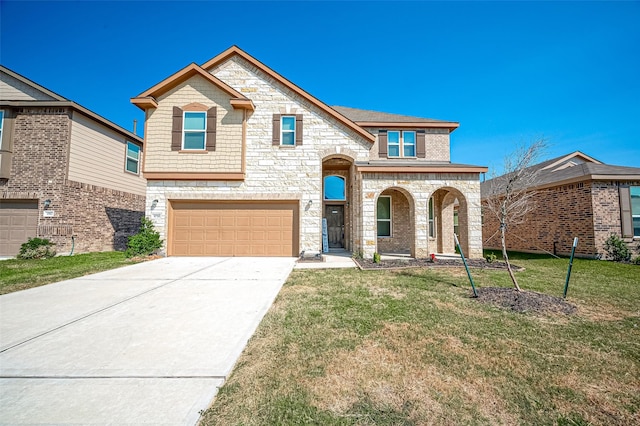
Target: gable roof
32	84
236	51
574	167
366	118
60	101
147	99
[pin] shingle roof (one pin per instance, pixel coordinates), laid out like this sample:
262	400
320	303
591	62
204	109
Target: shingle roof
362	115
584	171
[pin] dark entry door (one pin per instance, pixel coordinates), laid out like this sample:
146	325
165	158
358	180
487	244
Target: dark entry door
335	225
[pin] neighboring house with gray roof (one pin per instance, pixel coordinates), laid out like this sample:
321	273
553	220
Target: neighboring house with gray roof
66	173
242	162
575	196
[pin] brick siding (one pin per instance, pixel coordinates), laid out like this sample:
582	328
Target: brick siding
100	218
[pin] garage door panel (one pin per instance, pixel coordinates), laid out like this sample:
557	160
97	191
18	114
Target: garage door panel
18	223
233	229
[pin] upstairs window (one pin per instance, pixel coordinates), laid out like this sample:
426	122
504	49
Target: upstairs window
133	158
334	188
194	130
1	122
288	135
383	215
401	143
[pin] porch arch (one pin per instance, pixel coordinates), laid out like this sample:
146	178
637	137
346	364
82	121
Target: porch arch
451	214
402	239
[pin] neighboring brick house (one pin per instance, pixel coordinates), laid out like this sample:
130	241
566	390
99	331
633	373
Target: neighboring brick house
66	173
575	196
240	161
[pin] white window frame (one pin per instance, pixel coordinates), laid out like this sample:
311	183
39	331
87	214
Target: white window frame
401	144
185	131
634	214
432	219
385	220
127	158
283	131
324	189
1	123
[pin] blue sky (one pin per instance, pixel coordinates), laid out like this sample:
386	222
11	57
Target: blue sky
509	72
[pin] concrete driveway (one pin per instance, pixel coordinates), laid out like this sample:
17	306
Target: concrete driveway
148	343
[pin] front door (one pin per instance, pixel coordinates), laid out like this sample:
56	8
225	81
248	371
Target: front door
335	225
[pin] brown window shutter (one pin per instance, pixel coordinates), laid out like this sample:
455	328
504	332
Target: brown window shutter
298	129
421	146
276	129
176	130
382	143
212	115
625	212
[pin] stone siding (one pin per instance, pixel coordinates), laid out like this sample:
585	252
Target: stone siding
401	239
418	188
99	218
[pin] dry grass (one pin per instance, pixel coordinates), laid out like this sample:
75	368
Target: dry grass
412	348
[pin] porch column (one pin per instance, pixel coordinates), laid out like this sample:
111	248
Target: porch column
421	223
369	224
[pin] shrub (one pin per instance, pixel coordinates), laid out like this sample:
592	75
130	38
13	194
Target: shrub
145	242
491	257
36	248
376	257
636	260
617	249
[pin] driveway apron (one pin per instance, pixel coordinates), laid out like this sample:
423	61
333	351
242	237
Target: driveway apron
146	344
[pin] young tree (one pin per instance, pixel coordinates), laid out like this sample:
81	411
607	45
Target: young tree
509	196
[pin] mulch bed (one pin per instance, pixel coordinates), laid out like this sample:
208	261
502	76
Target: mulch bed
427	263
524	301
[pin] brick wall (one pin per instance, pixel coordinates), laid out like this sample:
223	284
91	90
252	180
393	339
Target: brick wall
100	218
560	213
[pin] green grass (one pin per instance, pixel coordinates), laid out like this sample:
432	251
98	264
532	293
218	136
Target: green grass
411	347
16	274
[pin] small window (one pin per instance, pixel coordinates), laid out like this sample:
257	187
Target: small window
384	216
288	131
432	224
334	188
194	128
393	144
1	123
133	158
409	143
635	210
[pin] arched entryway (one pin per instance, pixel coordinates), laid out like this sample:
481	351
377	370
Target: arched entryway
337	201
448	213
395	225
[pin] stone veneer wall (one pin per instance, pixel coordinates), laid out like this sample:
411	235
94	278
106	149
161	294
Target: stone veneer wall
420	187
100	218
402	235
272	172
560	213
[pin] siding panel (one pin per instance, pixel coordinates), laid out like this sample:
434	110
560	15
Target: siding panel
97	157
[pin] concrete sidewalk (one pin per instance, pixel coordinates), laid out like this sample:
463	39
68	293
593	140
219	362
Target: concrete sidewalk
145	344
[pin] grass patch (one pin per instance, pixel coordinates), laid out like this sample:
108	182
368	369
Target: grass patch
411	347
16	274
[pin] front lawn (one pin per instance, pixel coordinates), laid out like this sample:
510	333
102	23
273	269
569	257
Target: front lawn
410	347
16	274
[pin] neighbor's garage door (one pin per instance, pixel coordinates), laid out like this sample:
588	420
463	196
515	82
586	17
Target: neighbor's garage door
18	223
233	229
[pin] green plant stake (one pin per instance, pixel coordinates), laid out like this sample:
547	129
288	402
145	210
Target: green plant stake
573	251
475	293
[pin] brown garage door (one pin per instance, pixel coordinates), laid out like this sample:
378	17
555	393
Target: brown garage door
18	223
233	229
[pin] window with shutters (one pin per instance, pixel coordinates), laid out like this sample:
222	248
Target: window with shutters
194	130
399	144
635	210
287	130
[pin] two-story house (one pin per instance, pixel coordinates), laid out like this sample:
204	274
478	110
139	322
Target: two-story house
240	161
66	173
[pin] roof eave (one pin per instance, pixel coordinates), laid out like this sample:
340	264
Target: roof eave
416	124
420	169
235	50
